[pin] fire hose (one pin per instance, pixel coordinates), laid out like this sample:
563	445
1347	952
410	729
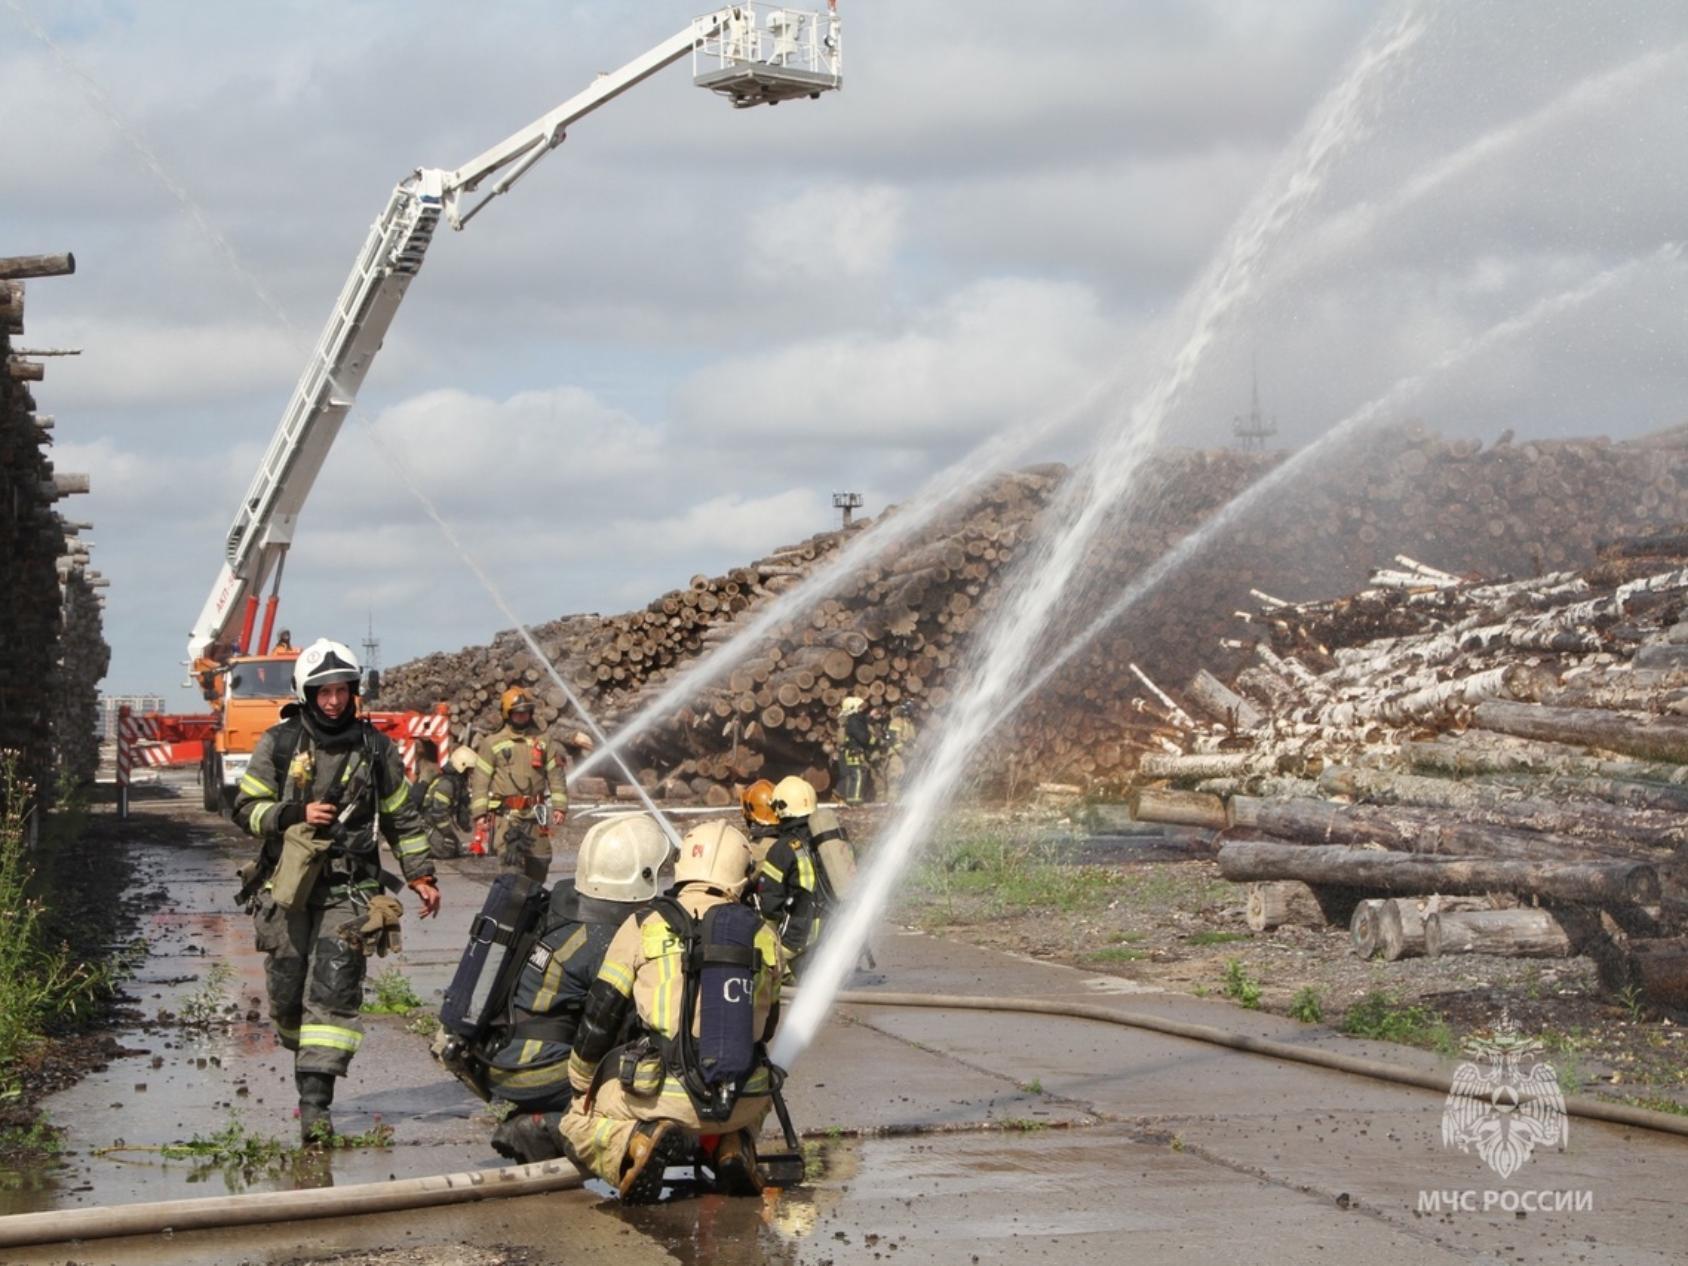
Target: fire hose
525	1180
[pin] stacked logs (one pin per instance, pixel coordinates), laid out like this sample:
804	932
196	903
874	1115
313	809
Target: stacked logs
1432	741
900	628
50	623
1510	509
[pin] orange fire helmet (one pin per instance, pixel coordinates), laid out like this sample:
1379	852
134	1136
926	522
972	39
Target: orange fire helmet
758	803
514	699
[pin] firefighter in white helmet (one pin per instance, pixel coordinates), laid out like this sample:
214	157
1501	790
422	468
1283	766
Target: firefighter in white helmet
617	872
322	788
698	970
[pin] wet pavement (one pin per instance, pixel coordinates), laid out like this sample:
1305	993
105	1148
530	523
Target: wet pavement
951	1136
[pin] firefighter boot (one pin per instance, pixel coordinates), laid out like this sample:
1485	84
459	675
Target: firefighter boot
655	1146
735	1165
529	1136
316	1093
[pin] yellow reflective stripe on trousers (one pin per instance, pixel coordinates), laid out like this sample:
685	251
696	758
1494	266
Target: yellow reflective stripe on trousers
255	819
392	803
256	787
292	1035
330	1035
528	1078
411	845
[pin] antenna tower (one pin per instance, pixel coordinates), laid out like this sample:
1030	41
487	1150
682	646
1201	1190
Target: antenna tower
1253	431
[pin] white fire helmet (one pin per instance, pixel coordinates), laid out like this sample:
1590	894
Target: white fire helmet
321	663
462	758
717	855
851	706
621	858
794	797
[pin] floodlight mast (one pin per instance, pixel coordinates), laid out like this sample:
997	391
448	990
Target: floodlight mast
754	54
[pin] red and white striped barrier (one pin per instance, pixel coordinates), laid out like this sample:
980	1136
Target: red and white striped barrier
125	758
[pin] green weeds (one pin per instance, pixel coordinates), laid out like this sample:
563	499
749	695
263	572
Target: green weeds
1306	1007
37	985
1215	938
1239	986
394	994
1383	1016
1117	954
208	1004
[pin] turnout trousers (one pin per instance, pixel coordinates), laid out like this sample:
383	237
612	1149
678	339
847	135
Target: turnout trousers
522	844
315	982
598	1139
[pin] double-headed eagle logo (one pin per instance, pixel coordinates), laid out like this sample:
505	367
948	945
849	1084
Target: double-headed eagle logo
1500	1108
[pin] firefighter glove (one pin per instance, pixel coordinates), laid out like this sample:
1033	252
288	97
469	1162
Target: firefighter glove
380	928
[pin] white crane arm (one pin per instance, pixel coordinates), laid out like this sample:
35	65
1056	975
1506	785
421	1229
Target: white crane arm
799	56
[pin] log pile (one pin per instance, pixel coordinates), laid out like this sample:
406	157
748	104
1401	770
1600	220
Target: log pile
901	628
50	622
1522	743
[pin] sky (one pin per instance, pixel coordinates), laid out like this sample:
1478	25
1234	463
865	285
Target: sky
662	352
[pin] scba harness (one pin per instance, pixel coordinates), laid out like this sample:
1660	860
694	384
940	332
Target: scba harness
719	958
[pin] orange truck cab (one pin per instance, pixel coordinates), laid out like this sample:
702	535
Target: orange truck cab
251	692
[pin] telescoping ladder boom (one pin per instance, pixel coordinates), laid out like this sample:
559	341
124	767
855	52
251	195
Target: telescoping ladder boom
750	53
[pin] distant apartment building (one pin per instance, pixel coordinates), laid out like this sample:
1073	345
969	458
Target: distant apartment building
139	705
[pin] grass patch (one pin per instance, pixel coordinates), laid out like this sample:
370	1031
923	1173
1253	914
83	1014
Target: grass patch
394	994
1117	954
1239	986
1216	938
206	1005
1306	1007
38	1139
38	985
1382	1015
232	1147
1023	1125
1033	1087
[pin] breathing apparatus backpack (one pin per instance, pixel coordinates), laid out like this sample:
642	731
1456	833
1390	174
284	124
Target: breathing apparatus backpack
720	990
477	1002
835	859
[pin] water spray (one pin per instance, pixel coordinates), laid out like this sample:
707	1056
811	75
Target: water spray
1367	416
1102	483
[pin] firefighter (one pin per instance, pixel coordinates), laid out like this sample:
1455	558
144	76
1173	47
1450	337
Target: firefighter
644	1105
899	740
517	793
283	642
442	797
616	874
320	785
761	823
855	749
791	888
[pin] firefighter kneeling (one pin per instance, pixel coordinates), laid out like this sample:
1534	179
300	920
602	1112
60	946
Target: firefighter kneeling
693	1085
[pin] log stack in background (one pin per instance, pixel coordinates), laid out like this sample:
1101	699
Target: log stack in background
1520	741
50	621
901	628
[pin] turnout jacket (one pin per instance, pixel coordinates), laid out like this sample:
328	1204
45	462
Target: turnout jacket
295	763
514	764
788	890
644	971
551	991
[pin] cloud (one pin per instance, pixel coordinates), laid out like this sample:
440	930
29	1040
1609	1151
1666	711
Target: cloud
996	351
826	235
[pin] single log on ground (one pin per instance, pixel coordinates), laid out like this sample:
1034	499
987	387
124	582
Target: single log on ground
1505	806
1272	905
1206	765
1408	874
1403	829
1181	808
1658	969
1400	930
1363	927
1651	738
1521	933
